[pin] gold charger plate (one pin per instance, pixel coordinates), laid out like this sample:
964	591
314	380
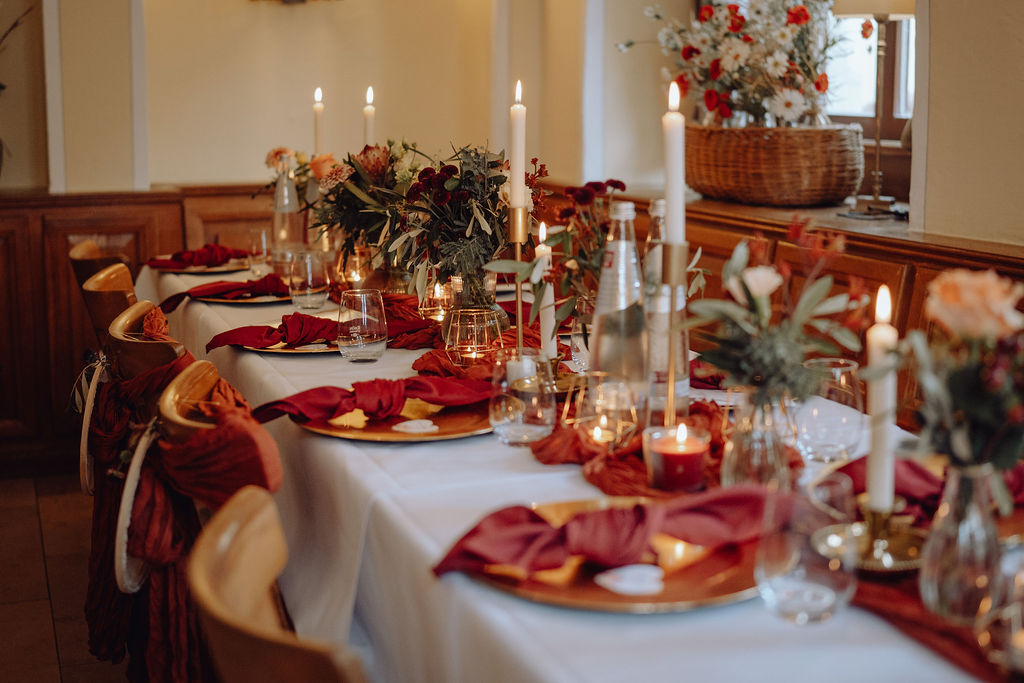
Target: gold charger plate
306	348
266	299
455	422
724	576
232	266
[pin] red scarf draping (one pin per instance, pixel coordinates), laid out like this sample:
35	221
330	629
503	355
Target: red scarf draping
270	285
207	255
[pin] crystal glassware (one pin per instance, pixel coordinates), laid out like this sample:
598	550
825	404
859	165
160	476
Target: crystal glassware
362	327
308	282
260	248
473	333
522	407
831	422
606	412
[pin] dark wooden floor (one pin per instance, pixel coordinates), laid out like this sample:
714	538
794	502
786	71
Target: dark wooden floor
44	546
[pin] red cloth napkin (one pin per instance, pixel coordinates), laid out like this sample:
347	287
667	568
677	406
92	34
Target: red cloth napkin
415	333
207	255
378	398
613	537
704	375
401	306
270	285
295	329
914	482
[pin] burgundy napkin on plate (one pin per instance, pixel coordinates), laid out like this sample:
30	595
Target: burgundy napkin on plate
270	285
414	333
401	307
207	255
295	329
704	375
520	537
378	398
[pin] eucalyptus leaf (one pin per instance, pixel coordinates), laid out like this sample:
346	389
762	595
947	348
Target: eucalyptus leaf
811	297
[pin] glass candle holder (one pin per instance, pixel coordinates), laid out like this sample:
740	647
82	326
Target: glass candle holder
437	302
675	457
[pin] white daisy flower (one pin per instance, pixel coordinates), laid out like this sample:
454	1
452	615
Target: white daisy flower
666	74
787	105
776	63
669	39
734	54
786	34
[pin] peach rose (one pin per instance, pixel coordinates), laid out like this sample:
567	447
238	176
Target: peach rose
321	164
975	304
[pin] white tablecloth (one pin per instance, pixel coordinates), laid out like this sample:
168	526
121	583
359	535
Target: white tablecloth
366	522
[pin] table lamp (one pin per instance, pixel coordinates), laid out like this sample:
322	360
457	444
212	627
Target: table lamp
882	11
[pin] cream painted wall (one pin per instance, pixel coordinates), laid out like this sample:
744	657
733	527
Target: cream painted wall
23	103
228	80
96	59
975	100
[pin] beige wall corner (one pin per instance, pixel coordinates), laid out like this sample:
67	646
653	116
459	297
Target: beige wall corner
975	100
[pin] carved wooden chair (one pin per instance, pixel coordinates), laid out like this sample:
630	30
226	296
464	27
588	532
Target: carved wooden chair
87	259
231	572
133	355
177	407
107	293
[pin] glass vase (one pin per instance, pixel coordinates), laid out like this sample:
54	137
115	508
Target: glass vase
755	450
960	557
474	290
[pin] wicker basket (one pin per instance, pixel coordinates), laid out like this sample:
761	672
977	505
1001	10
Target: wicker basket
775	166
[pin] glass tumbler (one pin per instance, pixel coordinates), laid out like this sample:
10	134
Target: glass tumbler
830	423
522	408
473	333
807	556
260	248
308	282
362	327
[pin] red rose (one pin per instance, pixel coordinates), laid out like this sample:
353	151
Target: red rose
715	69
706	12
689	52
684	84
711	100
724	110
821	82
736	22
733	9
798	15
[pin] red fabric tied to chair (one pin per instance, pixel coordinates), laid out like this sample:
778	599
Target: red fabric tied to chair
210	255
270	285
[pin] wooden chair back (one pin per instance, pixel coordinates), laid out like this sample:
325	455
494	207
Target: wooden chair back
179	416
231	573
87	259
132	355
107	293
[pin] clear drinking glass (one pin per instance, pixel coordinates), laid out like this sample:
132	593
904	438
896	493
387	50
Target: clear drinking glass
362	327
281	256
308	282
522	408
260	249
579	340
831	422
473	332
807	556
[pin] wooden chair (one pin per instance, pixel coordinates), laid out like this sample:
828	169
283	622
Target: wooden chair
231	572
87	259
133	355
179	417
107	294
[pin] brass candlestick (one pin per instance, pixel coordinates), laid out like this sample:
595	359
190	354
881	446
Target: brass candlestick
518	220
673	274
889	543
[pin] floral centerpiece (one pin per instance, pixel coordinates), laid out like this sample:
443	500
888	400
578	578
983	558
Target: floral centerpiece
971	384
761	347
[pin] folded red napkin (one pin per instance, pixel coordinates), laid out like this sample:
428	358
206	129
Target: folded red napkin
704	375
401	306
207	255
270	285
378	398
416	333
613	537
295	329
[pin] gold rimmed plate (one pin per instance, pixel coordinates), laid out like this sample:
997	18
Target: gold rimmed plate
297	350
232	266
722	576
266	299
455	422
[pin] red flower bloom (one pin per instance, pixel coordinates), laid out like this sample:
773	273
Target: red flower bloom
706	12
597	186
426	173
584	196
734	9
460	196
866	29
711	100
736	23
566	213
616	184
748	39
449	171
821	82
715	69
415	192
684	84
798	15
689	52
724	110
441	196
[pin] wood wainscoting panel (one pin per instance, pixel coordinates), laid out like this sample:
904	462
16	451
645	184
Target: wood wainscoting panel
226	218
20	309
716	245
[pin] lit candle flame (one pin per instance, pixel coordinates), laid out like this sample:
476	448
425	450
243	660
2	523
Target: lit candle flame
318	95
369	95
542	232
673	96
519	92
681	434
883	306
437	290
602	426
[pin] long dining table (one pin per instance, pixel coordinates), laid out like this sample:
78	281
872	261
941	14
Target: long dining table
366	522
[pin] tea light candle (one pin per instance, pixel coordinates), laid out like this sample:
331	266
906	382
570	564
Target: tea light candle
318	118
369	115
673	129
517	150
601	433
548	342
675	457
882	339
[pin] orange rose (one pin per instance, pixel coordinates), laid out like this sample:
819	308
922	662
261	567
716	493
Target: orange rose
975	304
321	164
